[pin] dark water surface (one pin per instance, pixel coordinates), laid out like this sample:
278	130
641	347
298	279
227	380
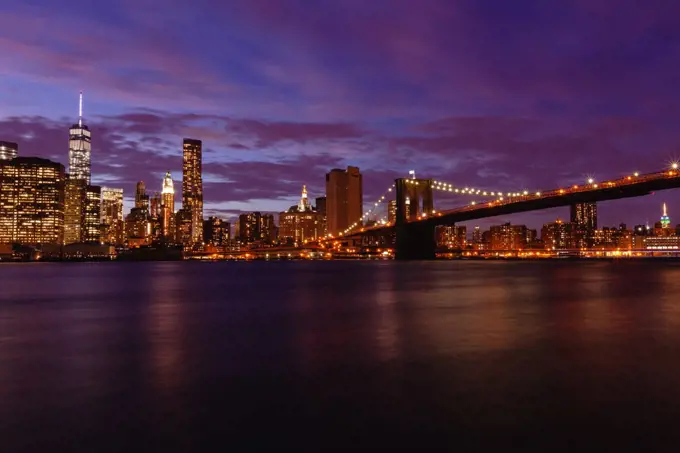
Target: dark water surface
186	356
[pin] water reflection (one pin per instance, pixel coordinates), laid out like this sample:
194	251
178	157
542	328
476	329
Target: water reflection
165	330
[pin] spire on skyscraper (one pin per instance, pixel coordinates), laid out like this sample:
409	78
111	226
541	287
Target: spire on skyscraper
304	202
80	109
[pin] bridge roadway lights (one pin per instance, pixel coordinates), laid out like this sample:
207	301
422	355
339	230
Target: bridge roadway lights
415	241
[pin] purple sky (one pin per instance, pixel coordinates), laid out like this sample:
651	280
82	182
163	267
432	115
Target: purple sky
493	94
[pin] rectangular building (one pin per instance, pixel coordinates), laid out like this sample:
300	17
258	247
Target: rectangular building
344	199
31	201
249	226
192	186
508	237
113	225
451	236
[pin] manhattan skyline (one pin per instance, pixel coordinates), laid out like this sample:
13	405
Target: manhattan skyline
510	97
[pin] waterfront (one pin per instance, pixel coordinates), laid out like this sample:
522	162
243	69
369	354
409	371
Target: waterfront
183	355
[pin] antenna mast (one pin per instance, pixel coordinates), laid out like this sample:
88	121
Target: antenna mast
80	110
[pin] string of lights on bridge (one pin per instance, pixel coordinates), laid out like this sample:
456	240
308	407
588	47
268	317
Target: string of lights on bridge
471	191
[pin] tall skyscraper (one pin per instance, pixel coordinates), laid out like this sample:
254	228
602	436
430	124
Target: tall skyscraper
113	226
168	207
80	148
92	227
74	211
344	199
584	217
31	201
8	150
192	186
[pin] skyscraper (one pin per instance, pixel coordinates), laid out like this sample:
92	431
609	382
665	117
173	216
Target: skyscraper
74	211
92	227
79	149
168	207
31	201
344	199
141	197
8	150
584	216
249	227
113	226
192	186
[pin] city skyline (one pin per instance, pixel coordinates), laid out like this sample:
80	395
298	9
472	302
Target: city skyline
544	101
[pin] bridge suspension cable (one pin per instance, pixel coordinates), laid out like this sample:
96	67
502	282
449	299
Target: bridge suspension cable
448	187
370	211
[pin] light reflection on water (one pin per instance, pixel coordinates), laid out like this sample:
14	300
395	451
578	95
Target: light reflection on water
174	354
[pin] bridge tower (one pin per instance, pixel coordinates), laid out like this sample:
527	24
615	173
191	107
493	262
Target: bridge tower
415	240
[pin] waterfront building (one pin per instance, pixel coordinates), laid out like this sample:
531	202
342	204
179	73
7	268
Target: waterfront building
508	237
662	243
92	227
192	186
216	232
268	230
249	227
80	149
451	236
301	223
138	228
560	235
113	224
344	199
584	216
32	192
8	150
74	211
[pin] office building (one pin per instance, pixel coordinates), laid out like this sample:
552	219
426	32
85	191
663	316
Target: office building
320	204
183	228
138	231
113	224
141	197
560	235
192	186
74	215
92	227
8	150
451	236
155	203
216	232
268	230
508	237
31	201
584	216
344	199
168	208
249	225
80	149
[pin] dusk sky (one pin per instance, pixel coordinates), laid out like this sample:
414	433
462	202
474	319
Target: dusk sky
495	94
